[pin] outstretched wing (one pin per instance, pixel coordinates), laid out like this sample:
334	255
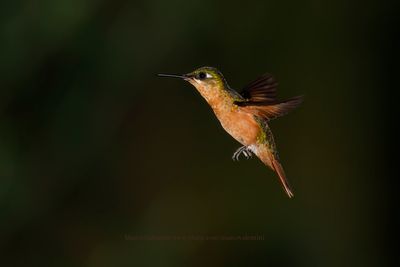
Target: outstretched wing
260	99
275	110
260	91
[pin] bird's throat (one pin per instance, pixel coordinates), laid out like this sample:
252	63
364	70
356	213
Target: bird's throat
218	98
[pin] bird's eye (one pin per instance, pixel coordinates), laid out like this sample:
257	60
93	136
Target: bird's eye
202	76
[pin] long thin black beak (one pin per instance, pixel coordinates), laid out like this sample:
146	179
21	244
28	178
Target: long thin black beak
173	76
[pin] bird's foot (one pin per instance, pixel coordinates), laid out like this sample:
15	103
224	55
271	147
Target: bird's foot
243	149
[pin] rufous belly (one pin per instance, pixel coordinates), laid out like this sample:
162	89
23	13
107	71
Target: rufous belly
240	125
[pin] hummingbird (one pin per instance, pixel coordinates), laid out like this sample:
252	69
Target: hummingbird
245	115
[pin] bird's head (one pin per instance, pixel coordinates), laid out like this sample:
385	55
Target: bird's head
204	78
209	82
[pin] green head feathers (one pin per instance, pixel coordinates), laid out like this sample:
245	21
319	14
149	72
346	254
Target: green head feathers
214	78
208	74
210	78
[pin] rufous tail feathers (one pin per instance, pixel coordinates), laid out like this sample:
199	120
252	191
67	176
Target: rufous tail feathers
282	176
267	157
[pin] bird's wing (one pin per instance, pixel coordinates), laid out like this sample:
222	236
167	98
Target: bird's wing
274	110
260	99
260	91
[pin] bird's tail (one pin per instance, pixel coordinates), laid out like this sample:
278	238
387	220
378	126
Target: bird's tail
269	159
282	176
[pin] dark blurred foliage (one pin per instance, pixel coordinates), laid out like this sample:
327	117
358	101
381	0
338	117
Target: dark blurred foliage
93	146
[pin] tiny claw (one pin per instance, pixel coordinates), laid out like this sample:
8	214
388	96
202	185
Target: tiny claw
243	149
248	154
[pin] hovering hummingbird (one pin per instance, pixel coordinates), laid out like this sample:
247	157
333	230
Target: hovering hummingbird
245	116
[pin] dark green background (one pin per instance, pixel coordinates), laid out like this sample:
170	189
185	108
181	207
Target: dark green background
93	146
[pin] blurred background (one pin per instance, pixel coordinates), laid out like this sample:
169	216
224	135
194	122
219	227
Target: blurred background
94	147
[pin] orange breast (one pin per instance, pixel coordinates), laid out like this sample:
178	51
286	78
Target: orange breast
239	124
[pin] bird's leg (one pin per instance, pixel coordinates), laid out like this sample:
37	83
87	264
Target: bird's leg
238	152
247	153
243	149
